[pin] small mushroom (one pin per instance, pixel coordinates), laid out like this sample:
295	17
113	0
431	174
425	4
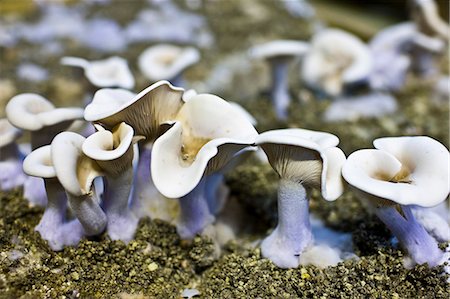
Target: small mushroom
301	158
76	173
335	60
110	72
400	172
167	62
279	54
144	112
204	136
53	226
11	173
34	113
113	152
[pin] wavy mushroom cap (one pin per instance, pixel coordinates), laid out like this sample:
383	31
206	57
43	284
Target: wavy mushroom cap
279	48
8	133
112	147
39	163
164	62
110	72
206	135
32	112
306	156
145	112
336	57
404	170
75	171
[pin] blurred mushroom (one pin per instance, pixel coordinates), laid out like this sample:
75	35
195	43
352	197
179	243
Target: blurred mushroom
335	60
52	226
279	54
113	152
167	62
301	158
110	72
400	172
11	173
204	136
32	112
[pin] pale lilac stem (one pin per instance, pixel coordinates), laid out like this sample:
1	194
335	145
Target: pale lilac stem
411	235
195	214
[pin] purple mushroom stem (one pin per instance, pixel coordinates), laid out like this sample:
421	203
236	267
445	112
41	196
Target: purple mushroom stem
121	221
293	232
280	86
212	186
178	80
411	235
195	213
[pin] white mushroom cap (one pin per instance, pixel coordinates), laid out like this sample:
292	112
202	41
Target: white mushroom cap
8	133
110	72
144	112
164	62
39	163
279	48
336	57
114	147
74	170
207	134
405	170
306	156
32	112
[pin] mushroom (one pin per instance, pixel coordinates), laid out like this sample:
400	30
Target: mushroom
398	173
204	136
76	173
335	60
167	62
301	158
144	112
110	72
11	173
113	152
279	54
425	15
53	226
34	113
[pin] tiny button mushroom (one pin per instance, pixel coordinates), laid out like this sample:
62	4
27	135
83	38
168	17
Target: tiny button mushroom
301	158
279	54
110	72
113	152
52	226
77	172
36	114
144	112
211	134
336	59
400	172
167	62
11	173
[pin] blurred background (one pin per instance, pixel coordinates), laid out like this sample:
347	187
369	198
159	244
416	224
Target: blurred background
34	35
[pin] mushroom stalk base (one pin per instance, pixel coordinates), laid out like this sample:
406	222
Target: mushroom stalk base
280	87
88	211
195	213
53	226
293	232
411	235
122	223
